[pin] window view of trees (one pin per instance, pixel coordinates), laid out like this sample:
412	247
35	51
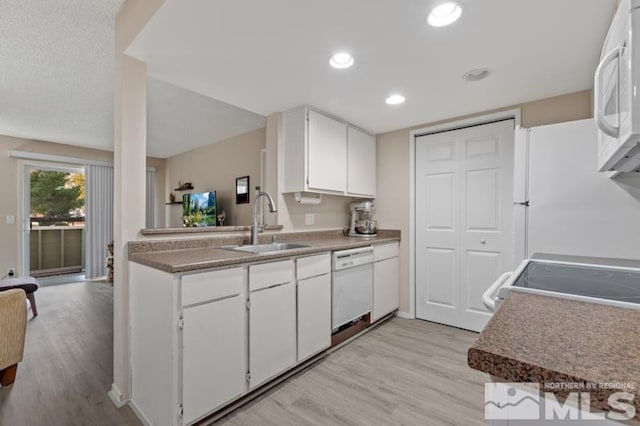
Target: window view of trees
57	223
57	195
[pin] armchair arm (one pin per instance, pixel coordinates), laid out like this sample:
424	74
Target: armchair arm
13	326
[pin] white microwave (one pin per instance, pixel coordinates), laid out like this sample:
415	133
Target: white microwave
616	97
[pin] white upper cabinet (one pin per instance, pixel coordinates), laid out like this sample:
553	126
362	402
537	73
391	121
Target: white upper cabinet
361	160
326	155
327	148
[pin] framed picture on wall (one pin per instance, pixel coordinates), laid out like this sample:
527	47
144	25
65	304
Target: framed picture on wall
242	190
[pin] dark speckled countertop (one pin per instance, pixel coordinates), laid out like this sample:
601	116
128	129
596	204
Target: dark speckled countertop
177	256
533	338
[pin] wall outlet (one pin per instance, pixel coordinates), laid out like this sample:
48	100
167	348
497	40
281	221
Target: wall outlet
309	219
11	272
10	219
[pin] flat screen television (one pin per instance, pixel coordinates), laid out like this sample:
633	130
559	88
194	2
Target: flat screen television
199	209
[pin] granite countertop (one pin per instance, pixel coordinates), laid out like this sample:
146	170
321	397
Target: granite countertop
177	256
533	338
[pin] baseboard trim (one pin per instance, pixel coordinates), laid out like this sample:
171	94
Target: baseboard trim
116	396
139	414
405	315
64	279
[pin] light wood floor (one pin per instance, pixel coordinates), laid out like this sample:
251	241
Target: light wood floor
68	362
403	373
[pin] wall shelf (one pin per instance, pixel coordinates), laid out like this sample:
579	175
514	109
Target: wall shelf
187	186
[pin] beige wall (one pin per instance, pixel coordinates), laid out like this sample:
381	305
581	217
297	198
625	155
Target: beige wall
215	168
393	201
331	213
570	107
160	165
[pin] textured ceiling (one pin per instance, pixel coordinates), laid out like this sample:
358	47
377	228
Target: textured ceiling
179	120
56	81
57	75
57	70
268	56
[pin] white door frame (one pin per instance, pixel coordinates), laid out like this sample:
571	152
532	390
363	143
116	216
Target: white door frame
519	161
24	204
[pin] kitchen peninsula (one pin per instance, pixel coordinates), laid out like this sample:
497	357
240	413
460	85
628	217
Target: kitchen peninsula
551	340
212	325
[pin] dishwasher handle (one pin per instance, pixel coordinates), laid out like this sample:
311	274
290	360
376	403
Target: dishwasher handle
344	259
353	252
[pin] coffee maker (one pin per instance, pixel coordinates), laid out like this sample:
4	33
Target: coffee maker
362	223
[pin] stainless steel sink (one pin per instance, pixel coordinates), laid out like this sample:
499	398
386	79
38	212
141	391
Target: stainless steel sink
266	248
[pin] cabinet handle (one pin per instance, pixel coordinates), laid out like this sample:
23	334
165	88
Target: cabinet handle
598	94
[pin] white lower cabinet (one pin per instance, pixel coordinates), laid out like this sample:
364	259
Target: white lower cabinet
314	304
214	348
195	336
188	342
272	332
386	280
272	320
314	315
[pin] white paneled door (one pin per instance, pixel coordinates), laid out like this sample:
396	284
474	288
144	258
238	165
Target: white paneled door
464	220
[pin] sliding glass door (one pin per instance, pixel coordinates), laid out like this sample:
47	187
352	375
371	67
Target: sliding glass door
54	237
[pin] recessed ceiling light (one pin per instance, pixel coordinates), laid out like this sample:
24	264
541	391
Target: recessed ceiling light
444	14
395	99
476	74
341	60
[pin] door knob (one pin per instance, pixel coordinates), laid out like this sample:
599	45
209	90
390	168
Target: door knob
483	241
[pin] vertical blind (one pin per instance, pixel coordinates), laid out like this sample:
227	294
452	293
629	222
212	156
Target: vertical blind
150	199
99	218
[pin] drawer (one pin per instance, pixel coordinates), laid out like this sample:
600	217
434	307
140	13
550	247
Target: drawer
198	288
268	274
385	251
312	266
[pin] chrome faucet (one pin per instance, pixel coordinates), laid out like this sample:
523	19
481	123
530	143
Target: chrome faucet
254	225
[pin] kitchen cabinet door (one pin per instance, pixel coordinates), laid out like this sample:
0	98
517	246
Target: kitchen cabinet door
214	355
386	277
326	153
314	315
361	163
272	332
197	288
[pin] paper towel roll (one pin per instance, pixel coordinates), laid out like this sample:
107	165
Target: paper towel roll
307	200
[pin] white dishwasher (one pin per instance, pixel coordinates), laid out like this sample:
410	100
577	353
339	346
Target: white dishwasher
351	285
